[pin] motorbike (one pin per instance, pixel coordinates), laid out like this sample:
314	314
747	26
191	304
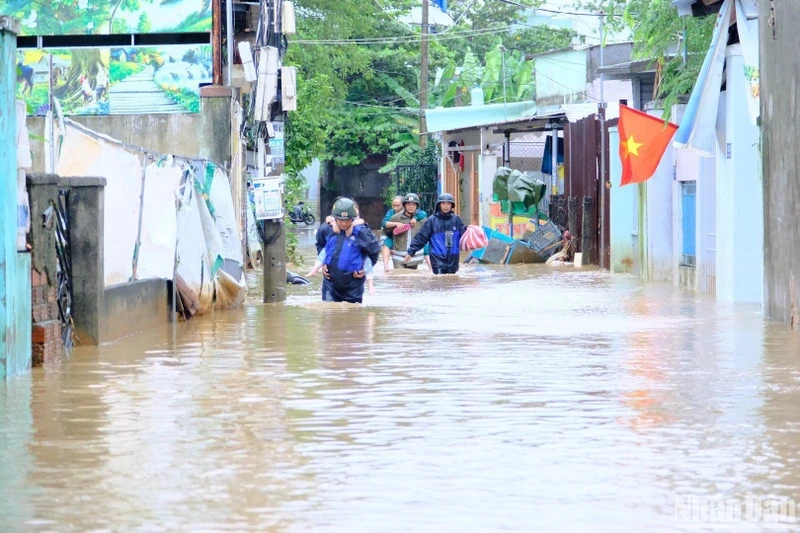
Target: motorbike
304	217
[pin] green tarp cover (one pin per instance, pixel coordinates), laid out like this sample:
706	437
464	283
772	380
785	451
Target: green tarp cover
523	188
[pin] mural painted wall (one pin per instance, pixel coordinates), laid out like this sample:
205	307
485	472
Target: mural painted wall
115	81
103	17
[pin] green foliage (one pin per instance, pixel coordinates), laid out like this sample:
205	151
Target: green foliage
658	34
144	23
118	71
493	14
67	17
189	99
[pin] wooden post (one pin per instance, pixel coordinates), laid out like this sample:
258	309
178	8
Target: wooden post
423	77
588	230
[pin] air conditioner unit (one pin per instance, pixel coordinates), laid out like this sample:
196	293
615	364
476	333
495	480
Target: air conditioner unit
289	88
289	22
247	61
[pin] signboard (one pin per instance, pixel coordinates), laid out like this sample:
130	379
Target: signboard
276	148
115	81
105	17
268	197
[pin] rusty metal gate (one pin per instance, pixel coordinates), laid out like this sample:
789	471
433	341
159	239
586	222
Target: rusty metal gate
582	178
64	268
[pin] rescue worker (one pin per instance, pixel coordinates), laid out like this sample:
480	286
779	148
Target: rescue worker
346	253
387	238
443	231
401	229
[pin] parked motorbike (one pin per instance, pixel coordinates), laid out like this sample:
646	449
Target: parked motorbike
301	215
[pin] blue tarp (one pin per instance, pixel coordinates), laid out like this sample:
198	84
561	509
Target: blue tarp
698	125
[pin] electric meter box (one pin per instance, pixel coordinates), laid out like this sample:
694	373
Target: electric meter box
268	193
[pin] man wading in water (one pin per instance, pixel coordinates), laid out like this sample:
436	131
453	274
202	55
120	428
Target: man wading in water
443	231
346	253
401	228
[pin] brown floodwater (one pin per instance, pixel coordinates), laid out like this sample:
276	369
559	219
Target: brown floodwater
523	398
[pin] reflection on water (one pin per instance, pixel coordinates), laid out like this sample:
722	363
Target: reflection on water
501	398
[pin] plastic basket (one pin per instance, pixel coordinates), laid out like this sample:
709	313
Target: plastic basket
544	241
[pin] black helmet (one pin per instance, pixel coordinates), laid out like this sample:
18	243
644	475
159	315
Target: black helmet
344	209
411	198
445	197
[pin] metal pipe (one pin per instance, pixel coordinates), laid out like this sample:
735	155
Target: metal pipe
507	164
216	40
602	176
229	33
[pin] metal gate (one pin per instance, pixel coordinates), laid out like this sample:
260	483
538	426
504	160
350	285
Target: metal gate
420	179
64	267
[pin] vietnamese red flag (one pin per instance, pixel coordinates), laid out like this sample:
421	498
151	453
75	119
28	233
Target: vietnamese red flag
643	139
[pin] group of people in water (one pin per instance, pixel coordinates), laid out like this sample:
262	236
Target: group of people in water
348	250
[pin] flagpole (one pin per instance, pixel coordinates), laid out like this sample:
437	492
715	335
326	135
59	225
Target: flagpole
602	110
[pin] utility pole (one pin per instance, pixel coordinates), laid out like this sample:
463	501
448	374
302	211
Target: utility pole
423	78
274	231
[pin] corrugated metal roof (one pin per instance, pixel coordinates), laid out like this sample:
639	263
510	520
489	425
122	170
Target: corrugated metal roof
498	115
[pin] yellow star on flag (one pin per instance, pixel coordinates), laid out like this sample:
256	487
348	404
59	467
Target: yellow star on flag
631	146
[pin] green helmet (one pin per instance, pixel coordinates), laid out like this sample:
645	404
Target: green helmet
344	209
445	197
411	198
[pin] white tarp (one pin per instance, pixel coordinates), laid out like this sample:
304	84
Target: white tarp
159	221
194	266
82	155
697	130
747	24
225	217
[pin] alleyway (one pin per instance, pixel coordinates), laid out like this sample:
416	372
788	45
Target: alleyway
519	398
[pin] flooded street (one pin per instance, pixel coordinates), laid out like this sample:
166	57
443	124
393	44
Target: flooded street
523	399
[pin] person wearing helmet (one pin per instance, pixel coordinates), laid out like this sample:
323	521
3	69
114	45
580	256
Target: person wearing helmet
443	232
332	226
401	228
346	252
388	236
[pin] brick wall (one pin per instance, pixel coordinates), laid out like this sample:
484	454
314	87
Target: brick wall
47	346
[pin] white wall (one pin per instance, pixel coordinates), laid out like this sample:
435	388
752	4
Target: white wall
312	180
613	92
659	217
740	212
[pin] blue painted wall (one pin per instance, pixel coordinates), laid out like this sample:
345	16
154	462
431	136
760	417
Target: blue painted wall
624	212
15	268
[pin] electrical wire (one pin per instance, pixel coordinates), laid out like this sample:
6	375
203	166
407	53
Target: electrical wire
414	39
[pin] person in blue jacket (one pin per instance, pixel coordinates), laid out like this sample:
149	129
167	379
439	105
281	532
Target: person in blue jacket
346	253
443	231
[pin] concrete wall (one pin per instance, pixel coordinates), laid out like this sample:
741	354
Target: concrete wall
364	183
561	77
659	216
740	215
15	268
134	307
780	78
204	134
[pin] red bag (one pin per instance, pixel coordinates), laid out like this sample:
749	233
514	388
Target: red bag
473	239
